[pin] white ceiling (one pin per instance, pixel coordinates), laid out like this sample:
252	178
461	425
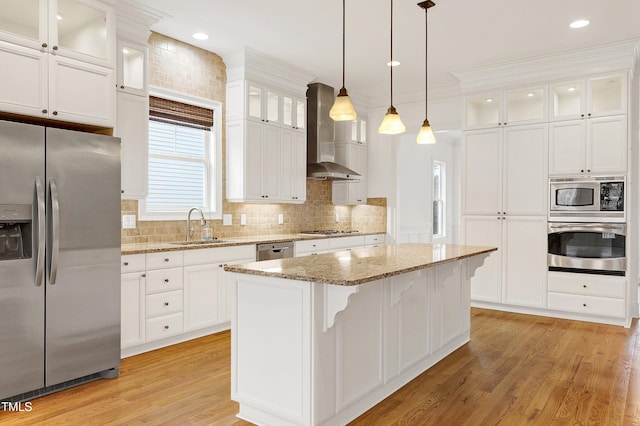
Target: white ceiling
463	34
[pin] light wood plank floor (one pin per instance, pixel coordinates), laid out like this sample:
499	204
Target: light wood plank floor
517	369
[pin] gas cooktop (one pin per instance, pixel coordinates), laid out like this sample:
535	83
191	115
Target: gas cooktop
327	232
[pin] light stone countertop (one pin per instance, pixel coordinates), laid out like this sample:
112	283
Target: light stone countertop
359	266
232	241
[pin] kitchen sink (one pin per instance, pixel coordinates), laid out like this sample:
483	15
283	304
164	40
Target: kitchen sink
201	242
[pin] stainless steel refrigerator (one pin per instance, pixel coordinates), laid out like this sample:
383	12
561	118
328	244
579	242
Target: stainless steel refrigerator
59	259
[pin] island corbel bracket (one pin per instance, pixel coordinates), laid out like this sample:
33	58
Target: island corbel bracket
400	284
475	262
336	299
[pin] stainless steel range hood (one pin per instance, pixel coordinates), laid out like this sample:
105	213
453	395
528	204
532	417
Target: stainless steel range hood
321	163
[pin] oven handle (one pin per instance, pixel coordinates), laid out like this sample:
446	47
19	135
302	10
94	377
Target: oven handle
618	229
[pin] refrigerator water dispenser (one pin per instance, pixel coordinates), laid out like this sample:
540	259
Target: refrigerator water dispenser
15	231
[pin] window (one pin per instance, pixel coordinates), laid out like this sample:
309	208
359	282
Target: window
184	157
439	206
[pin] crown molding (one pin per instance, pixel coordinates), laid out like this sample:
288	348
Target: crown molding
599	59
134	20
434	94
251	64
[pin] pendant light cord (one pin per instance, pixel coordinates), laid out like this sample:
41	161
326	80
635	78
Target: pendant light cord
391	58
343	37
426	62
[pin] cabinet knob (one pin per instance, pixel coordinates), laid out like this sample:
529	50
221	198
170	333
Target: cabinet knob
582	171
220	265
582	115
44	111
144	275
122	191
55	113
166	280
584	304
122	86
588	170
584	285
589	115
166	303
126	263
44	45
166	259
55	48
166	327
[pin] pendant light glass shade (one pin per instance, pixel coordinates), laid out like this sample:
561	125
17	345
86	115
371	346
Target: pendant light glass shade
425	136
342	109
391	123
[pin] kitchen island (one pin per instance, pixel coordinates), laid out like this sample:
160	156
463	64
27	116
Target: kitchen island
319	340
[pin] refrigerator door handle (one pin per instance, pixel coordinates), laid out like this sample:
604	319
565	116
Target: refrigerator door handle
55	230
41	230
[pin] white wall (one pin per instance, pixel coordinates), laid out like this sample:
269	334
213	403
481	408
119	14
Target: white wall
400	169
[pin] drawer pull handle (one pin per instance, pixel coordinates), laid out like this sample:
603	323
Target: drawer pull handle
166	303
166	280
126	263
166	327
584	304
166	259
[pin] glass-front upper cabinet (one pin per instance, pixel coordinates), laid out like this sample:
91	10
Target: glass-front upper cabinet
293	112
517	106
596	96
263	104
132	68
79	29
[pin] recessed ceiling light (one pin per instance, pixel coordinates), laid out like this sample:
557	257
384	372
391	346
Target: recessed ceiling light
530	94
489	100
571	89
200	36
59	17
393	63
125	51
580	23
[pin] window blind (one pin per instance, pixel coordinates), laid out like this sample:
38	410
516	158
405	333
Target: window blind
174	112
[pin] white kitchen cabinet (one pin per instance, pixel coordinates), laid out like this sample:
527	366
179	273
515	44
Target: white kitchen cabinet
132	126
589	295
516	273
354	157
263	104
132	68
595	96
163	288
294	112
294	166
311	247
503	108
206	296
505	171
49	86
60	69
132	296
263	171
595	145
374	240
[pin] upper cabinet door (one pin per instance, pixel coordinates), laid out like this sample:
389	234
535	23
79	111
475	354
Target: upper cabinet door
483	110
597	96
263	104
526	105
24	22
132	68
83	30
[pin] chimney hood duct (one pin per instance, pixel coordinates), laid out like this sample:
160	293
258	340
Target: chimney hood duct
321	163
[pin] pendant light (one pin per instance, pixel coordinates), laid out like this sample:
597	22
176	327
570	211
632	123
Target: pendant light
391	123
426	134
342	109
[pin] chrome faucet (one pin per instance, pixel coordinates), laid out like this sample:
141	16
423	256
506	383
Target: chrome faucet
190	228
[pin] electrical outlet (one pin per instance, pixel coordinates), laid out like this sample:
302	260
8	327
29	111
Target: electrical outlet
128	221
280	219
226	220
243	219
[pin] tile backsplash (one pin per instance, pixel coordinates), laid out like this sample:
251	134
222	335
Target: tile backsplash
262	219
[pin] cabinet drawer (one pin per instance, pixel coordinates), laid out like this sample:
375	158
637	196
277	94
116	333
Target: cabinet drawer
374	240
346	242
219	255
169	302
164	326
165	259
164	280
590	285
311	246
132	263
589	305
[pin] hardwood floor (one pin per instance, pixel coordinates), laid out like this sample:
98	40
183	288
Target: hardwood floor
517	369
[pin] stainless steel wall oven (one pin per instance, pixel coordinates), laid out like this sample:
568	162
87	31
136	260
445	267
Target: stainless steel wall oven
593	248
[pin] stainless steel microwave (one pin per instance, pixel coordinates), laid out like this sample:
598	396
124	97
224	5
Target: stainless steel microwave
587	199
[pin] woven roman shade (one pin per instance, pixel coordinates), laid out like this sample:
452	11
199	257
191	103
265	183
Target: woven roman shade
173	112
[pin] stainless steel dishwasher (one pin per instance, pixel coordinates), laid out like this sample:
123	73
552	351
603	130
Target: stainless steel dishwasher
274	251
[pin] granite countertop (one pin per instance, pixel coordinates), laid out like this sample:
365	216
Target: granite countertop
233	241
359	266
